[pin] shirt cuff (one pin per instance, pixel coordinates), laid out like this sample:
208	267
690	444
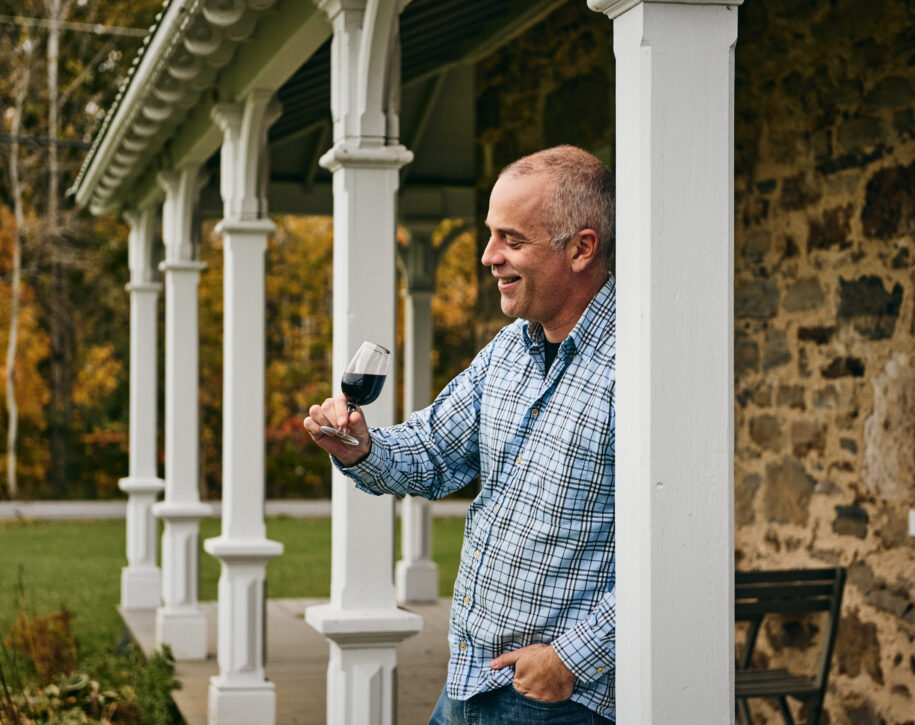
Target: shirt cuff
368	473
582	651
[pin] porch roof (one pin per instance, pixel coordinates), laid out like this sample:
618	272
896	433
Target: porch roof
198	53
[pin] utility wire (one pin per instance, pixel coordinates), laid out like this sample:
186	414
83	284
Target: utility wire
44	141
96	29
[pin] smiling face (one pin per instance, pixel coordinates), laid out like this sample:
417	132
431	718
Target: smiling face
537	283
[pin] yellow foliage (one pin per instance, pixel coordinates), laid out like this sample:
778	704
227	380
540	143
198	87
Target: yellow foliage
97	376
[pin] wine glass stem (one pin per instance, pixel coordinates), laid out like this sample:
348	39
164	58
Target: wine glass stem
350	409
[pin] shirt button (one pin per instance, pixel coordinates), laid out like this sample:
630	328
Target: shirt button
476	554
600	670
517	459
535	411
496	507
361	473
463	646
466	600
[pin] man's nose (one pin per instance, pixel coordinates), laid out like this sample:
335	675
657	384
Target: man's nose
492	254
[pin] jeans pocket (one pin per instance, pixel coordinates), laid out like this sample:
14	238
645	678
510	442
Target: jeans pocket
540	704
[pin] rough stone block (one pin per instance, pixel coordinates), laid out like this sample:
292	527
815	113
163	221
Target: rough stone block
890	92
831	230
889	456
820	335
872	309
756	298
889	204
827	397
860	133
850	521
777	353
766	431
743	499
807	294
792	396
858	648
755	246
798	192
807	436
787	493
842	367
746	356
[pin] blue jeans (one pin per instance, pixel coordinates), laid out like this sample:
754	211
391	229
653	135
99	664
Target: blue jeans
507	706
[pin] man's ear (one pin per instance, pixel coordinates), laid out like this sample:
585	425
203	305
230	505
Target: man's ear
582	250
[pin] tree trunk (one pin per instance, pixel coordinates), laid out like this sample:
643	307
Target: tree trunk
12	433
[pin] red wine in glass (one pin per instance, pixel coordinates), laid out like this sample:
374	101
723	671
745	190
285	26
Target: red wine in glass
361	384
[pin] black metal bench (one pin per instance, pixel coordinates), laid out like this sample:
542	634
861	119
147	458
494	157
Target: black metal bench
789	592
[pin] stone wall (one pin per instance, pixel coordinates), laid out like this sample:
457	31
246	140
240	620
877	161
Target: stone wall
824	298
824	345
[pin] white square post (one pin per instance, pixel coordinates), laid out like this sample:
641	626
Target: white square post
362	621
240	694
180	622
675	392
141	578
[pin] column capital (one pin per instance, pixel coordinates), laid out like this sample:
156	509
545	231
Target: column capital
253	551
244	152
614	8
363	627
251	227
181	266
332	8
348	154
150	287
133	484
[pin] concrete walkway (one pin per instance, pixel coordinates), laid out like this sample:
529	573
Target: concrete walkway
297	664
294	508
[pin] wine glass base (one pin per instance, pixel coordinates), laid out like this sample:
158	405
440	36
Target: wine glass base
340	435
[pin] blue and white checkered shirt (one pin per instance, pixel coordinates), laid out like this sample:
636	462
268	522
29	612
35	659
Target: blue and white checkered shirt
537	564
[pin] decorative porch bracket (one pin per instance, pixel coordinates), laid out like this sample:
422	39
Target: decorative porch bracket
180	622
362	620
675	401
240	694
141	579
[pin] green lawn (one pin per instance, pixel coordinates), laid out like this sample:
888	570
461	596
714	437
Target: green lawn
78	564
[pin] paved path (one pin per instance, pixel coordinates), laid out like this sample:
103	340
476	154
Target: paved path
297	664
295	508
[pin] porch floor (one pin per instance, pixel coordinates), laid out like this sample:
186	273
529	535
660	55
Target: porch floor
297	663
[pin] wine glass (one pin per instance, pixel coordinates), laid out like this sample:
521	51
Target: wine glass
361	384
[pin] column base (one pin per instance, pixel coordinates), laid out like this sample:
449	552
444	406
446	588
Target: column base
184	631
240	704
362	671
141	587
416	582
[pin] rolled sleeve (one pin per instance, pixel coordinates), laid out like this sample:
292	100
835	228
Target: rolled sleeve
369	474
589	648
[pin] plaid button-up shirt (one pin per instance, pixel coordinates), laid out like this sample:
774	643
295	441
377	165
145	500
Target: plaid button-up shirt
537	564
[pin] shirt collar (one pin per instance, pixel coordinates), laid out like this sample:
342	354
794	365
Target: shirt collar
596	322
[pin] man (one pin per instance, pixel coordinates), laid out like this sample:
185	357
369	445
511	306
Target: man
533	631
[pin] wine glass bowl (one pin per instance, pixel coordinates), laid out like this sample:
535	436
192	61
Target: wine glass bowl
362	382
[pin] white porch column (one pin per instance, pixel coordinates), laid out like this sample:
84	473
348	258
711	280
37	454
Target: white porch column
675	401
416	575
362	621
239	694
140	579
180	622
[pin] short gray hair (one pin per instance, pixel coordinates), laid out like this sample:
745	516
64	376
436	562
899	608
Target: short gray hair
582	196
